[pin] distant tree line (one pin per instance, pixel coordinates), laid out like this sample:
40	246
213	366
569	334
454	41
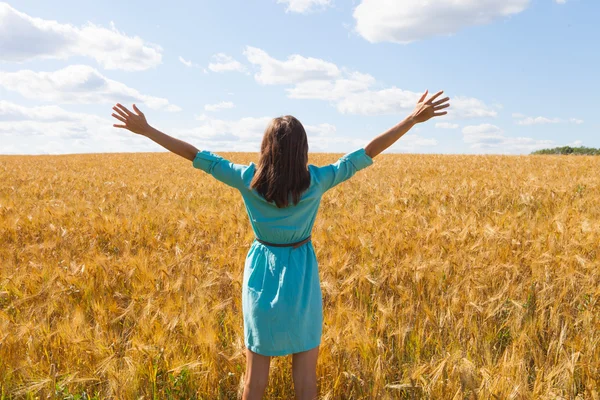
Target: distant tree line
590	151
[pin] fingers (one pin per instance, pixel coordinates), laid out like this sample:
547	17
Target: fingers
121	113
119	118
435	108
435	96
437	114
445	99
423	97
137	110
129	113
119	126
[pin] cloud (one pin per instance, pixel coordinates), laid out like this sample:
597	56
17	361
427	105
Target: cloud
322	130
14	112
484	133
77	84
351	92
173	108
219	106
490	138
24	38
248	128
561	1
54	130
304	6
380	102
224	63
446	125
412	143
335	89
411	20
295	69
188	64
527	121
469	107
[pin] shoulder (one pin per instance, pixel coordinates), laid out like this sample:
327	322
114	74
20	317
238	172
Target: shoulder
248	173
318	174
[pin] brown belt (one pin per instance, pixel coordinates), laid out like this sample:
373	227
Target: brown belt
294	245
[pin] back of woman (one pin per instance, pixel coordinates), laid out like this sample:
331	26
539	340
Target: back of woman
281	292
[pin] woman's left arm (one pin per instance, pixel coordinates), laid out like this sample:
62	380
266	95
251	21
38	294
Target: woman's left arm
136	123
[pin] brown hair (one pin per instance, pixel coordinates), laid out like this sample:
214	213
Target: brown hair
282	166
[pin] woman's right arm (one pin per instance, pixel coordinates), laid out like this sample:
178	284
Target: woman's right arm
424	111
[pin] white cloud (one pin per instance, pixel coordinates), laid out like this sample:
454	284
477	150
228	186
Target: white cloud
538	121
304	6
77	84
351	92
320	130
412	143
54	130
484	133
380	102
527	121
228	130
173	108
14	112
469	107
561	1
188	64
446	125
219	106
224	63
295	69
24	38
332	89
490	138
410	20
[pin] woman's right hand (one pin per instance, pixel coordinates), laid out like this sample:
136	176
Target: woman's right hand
133	121
426	110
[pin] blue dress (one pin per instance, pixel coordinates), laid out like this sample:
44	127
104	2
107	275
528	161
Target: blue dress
281	291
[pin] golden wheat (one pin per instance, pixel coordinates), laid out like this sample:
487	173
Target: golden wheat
443	277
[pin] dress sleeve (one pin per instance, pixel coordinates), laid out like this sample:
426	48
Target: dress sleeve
343	169
221	169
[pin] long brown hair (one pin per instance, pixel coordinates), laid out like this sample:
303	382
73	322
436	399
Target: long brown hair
282	166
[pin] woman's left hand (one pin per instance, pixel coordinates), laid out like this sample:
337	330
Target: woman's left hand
135	122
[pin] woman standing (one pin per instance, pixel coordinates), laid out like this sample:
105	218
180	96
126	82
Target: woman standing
281	293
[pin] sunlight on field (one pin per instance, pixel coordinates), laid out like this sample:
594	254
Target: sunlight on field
442	276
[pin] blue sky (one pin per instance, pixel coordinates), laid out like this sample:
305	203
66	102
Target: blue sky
521	74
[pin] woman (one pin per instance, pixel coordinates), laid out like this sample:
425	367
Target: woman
281	294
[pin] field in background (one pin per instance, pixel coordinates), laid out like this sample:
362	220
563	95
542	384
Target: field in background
442	276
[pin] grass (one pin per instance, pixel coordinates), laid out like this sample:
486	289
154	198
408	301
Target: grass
443	276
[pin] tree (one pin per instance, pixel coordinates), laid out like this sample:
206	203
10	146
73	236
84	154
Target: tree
590	151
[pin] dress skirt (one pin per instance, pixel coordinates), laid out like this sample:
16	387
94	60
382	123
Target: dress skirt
281	300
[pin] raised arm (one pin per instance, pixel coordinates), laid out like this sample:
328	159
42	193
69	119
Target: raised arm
136	123
424	111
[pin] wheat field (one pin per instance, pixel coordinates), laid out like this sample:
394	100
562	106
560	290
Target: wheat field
443	277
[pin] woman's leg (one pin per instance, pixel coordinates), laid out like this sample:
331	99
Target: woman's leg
304	372
257	375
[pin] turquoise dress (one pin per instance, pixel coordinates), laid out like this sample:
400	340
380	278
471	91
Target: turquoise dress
281	291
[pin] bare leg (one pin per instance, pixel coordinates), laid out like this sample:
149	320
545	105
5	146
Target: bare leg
257	375
304	372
